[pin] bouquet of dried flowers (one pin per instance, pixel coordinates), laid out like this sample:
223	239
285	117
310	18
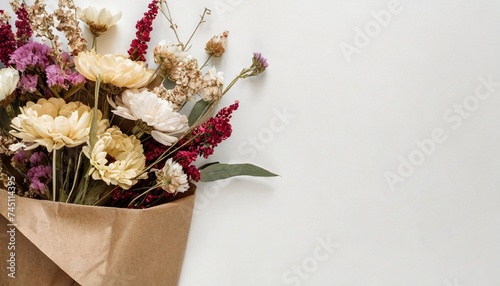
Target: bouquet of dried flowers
82	127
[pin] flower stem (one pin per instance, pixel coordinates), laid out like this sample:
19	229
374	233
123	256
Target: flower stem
206	62
231	84
54	173
172	25
202	20
94	43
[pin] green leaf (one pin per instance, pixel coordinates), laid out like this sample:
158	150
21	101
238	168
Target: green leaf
197	111
219	171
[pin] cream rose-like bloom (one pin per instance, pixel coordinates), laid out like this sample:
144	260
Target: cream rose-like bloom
117	159
98	20
157	113
54	124
117	70
171	178
9	78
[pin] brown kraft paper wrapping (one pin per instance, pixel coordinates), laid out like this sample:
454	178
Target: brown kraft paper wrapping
68	244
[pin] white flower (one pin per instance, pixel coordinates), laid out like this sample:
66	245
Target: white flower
171	178
155	112
213	82
117	159
54	124
114	69
9	78
98	20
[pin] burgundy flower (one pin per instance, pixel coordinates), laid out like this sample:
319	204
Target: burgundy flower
7	40
139	46
24	32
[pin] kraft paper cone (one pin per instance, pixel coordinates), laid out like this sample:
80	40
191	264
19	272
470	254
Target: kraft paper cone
68	244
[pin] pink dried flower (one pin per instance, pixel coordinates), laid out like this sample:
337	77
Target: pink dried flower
31	55
28	83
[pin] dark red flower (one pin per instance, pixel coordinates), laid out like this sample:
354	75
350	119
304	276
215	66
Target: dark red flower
139	46
24	32
7	41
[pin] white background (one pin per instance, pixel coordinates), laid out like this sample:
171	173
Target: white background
351	119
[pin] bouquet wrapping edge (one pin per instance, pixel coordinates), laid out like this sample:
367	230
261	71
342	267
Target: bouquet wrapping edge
69	244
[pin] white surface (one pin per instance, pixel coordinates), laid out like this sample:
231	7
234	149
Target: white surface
352	122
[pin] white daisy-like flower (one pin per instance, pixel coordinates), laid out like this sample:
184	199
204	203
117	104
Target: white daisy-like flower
117	159
171	178
117	70
157	113
213	82
54	124
9	78
98	20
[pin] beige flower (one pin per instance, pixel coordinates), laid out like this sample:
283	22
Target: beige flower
54	124
117	159
117	70
175	96
213	82
98	20
187	76
171	178
9	78
216	46
167	54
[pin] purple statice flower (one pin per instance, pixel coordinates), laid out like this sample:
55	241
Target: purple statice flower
55	76
76	78
36	158
62	78
19	158
259	63
39	177
30	55
28	82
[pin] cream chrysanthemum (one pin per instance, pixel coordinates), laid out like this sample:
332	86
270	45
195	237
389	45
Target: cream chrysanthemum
117	159
98	20
117	70
171	178
54	124
157	113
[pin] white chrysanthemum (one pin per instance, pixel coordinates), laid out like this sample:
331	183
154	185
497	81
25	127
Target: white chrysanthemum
54	124
117	159
167	54
155	112
171	178
9	78
213	82
98	20
117	70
